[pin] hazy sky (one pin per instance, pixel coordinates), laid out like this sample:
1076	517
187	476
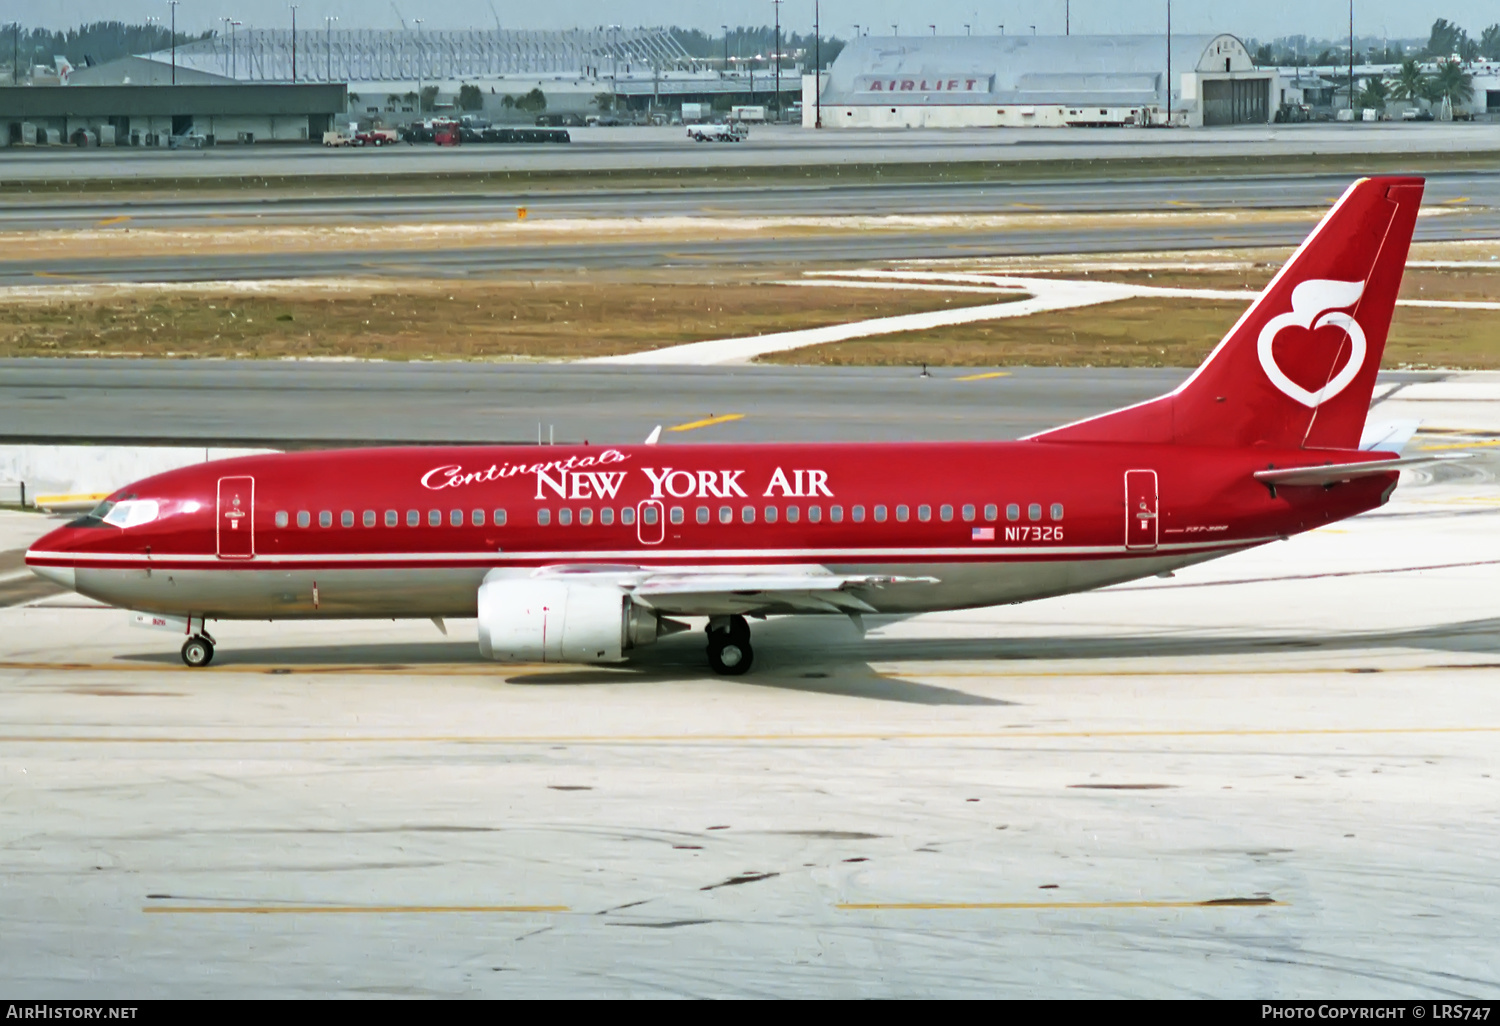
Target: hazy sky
1264	19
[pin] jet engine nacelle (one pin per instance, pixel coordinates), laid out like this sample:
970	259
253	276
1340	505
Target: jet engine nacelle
548	621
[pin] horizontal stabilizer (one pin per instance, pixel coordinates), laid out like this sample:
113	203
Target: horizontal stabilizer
1390	436
1334	473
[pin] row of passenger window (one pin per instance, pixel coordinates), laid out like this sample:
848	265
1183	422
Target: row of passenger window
677	515
793	514
456	518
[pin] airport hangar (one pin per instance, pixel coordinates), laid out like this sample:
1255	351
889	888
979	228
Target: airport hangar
150	114
640	69
1051	81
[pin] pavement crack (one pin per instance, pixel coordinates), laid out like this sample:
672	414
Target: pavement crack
743	878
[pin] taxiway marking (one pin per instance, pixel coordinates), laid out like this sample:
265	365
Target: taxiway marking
915	906
984	377
121	219
1459	445
693	425
268	910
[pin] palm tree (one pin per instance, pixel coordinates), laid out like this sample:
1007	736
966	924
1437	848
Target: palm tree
1376	94
1452	83
1411	83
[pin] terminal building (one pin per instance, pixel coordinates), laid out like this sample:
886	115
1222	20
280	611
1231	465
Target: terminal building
1018	81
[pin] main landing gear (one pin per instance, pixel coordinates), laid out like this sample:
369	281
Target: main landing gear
729	651
198	650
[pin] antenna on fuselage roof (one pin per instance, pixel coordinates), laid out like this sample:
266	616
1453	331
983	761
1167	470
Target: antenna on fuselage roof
654	436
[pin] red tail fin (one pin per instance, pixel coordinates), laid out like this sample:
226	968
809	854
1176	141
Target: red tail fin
1299	367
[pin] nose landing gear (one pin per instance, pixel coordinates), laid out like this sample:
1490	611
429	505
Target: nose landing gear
729	651
198	650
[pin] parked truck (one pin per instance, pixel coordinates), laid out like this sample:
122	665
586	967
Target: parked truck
718	133
377	137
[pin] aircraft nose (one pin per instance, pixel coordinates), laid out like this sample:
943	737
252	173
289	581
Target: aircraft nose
48	558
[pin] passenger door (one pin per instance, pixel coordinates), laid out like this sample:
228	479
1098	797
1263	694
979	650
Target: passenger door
236	522
650	522
1141	521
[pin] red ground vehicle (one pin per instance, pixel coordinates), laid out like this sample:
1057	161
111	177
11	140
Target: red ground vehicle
377	137
445	133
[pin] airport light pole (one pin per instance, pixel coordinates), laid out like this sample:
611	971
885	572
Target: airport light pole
817	66
614	69
966	29
328	20
420	55
1067	17
1169	63
294	42
173	4
893	28
933	28
15	53
234	59
776	56
726	47
1351	60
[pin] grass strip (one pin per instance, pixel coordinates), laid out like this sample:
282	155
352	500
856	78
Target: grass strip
1149	332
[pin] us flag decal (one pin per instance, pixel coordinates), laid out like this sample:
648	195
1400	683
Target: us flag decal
984	534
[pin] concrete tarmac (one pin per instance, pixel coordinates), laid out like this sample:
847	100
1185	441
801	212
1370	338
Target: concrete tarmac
300	404
1272	776
1470	203
827	197
790	252
629	148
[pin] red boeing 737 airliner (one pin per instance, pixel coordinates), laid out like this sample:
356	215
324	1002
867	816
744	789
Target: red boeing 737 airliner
584	553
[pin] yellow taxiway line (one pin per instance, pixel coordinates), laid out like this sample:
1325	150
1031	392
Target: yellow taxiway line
984	377
943	906
1459	445
271	910
693	425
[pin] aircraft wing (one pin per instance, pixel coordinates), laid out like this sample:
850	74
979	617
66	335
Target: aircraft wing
721	591
1335	473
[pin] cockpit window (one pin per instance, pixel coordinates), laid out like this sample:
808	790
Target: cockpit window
132	513
95	517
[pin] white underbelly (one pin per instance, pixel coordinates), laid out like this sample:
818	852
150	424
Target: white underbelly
246	593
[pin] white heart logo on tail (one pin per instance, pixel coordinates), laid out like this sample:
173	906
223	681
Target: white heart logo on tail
1309	299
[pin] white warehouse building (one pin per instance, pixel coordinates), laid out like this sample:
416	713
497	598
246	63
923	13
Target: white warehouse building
1005	81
